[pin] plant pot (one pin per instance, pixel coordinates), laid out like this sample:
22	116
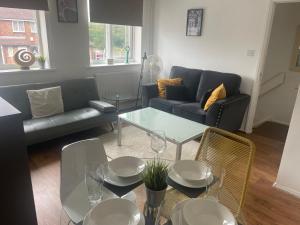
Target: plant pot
154	198
42	65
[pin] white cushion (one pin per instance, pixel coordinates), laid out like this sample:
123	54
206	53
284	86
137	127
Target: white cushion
45	102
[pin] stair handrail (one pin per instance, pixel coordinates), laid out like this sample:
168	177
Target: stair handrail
272	78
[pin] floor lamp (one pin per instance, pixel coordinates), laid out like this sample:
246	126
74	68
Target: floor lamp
141	79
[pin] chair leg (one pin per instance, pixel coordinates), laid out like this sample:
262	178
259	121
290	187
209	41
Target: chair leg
110	125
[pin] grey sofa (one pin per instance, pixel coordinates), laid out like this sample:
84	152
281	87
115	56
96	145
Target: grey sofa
187	100
82	109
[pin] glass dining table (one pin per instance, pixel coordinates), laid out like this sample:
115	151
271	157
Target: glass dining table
136	188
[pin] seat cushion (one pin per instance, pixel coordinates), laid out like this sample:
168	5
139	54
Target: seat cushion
164	104
42	129
212	79
191	111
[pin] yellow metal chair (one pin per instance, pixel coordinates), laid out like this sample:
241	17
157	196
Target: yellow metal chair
224	151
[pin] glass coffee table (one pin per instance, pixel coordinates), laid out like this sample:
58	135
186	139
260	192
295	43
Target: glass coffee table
177	129
118	99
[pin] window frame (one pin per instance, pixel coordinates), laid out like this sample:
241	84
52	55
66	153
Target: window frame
10	51
18	30
33	27
41	44
109	45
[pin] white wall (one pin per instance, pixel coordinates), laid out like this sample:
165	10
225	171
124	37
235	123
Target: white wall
288	175
69	56
278	104
230	29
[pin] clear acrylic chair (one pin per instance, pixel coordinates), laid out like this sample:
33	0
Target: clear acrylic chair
73	191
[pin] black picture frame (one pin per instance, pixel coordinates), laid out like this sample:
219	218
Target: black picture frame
67	11
194	22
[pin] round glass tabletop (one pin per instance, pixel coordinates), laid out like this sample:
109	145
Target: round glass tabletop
134	190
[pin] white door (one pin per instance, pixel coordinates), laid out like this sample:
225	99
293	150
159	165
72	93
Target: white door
288	178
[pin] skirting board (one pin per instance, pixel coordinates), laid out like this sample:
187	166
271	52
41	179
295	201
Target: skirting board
286	189
280	122
269	119
261	121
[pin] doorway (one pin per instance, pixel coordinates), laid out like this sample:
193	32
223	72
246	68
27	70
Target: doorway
279	81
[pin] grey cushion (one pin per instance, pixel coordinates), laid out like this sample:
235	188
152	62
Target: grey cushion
176	92
191	111
42	129
212	79
103	106
205	97
76	94
164	104
190	77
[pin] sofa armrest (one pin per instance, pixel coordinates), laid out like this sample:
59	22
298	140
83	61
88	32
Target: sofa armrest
228	113
103	106
149	91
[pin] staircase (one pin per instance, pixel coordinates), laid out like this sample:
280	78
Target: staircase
272	83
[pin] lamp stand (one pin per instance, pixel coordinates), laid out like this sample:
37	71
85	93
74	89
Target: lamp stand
141	79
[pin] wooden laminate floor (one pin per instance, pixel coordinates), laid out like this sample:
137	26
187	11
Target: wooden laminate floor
265	205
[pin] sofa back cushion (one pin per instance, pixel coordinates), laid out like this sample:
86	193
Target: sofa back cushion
78	92
190	78
75	93
212	79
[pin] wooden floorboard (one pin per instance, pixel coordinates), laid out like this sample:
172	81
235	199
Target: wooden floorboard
265	205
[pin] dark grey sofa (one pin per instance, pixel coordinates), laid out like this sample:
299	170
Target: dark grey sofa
82	109
227	113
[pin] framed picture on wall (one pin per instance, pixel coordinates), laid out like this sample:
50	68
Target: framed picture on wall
194	22
67	11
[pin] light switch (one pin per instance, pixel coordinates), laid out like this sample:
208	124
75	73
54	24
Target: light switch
251	53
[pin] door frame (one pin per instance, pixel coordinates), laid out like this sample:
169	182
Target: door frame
262	61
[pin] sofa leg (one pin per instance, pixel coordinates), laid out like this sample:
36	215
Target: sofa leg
111	125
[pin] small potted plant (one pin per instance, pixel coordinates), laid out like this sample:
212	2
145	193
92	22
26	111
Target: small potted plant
42	61
155	179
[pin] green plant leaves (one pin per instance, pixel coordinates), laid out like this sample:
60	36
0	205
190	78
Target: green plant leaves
155	175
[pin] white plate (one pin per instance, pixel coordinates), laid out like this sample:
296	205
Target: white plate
127	166
114	211
179	180
111	178
192	170
206	211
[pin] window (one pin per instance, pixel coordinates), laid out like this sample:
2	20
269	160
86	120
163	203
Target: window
33	27
18	26
110	41
25	35
10	51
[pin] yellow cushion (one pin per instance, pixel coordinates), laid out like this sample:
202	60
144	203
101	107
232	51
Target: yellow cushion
218	93
162	83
